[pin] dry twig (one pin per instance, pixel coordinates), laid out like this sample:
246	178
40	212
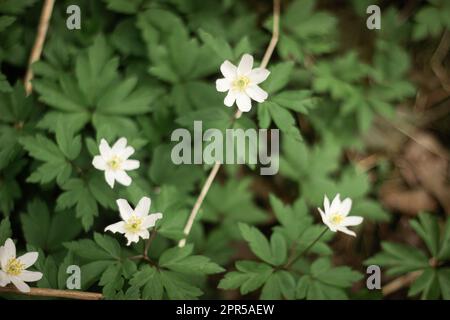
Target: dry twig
36	52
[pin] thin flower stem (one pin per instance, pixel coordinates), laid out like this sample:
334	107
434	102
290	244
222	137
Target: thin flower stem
275	34
54	293
216	167
36	52
148	243
198	203
293	259
400	282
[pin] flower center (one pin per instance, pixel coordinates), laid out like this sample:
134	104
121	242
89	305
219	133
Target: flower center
115	163
241	83
14	267
133	224
336	218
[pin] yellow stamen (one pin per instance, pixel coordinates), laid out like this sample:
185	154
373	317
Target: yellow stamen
133	224
336	218
115	163
14	267
241	83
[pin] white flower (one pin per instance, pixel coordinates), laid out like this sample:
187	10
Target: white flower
114	161
135	222
242	83
14	269
336	215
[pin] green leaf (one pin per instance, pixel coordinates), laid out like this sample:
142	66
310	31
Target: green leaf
280	284
69	144
179	260
342	277
149	279
257	241
177	287
5	230
78	194
249	277
45	230
399	258
108	244
219	45
280	74
88	249
55	164
124	6
284	120
428	229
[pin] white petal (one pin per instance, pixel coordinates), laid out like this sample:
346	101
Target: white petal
116	227
22	286
131	237
110	177
1	255
346	205
258	75
243	102
3	258
9	252
230	98
144	234
143	207
126	153
28	259
104	148
130	164
228	70
125	209
99	163
119	146
324	217
223	85
150	221
335	204
123	178
352	221
4	279
347	231
256	93
30	276
326	205
245	65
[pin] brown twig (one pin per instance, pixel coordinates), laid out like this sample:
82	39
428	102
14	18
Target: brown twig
216	167
437	58
148	243
400	282
36	52
54	293
275	34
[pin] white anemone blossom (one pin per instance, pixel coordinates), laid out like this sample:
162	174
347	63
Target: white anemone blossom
14	269
135	223
336	215
114	161
241	82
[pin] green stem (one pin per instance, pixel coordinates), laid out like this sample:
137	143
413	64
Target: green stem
292	260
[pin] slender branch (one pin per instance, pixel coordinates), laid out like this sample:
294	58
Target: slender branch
36	52
216	167
198	203
293	259
400	282
437	58
148	243
53	293
275	34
